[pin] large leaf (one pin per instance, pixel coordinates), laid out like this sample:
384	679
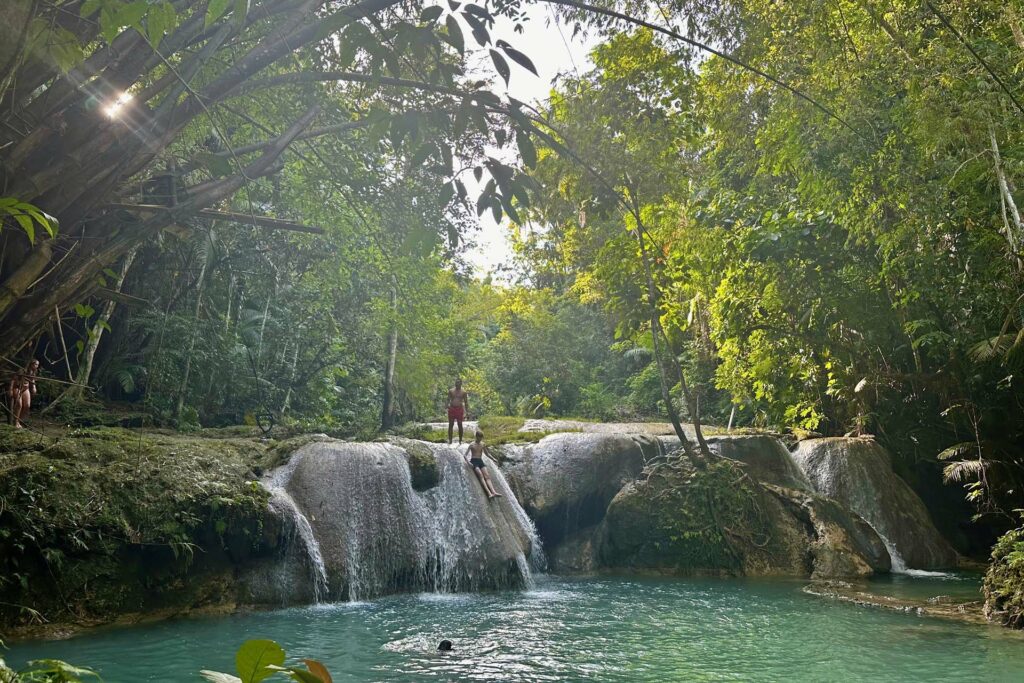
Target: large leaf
501	65
255	659
63	670
518	57
215	10
159	21
319	670
454	35
480	32
526	149
241	13
430	14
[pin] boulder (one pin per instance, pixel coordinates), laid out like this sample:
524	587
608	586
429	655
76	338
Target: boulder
841	543
565	481
717	521
858	473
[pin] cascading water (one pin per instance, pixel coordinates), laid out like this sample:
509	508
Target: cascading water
367	531
899	565
858	473
299	534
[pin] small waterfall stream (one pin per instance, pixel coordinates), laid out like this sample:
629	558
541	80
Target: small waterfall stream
299	533
362	530
899	565
858	473
301	536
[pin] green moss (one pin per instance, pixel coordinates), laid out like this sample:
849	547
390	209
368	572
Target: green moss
1004	581
496	426
94	522
422	464
687	521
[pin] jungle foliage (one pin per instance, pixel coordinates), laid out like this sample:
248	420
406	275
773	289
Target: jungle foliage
798	215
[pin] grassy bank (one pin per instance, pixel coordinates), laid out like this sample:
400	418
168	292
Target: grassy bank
497	429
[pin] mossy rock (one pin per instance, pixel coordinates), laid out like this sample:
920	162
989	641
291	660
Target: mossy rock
1004	581
715	521
100	522
422	464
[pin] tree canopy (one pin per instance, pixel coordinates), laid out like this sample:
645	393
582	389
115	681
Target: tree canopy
792	216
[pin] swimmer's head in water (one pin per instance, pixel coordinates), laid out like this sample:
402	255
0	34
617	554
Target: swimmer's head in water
445	646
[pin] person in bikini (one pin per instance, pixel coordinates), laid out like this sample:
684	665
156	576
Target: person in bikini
20	390
458	408
475	457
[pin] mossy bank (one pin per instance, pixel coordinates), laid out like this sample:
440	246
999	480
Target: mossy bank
104	523
1004	581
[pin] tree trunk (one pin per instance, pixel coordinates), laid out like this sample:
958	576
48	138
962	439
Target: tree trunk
192	343
1014	229
387	417
673	414
1014	21
84	372
85	369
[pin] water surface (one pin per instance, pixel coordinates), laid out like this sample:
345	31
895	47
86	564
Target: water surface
574	629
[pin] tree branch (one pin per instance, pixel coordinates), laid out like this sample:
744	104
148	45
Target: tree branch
230	216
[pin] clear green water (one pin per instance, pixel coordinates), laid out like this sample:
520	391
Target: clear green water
608	629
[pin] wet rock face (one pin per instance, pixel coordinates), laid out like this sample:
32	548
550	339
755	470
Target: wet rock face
766	459
858	474
595	506
841	543
720	522
377	534
565	481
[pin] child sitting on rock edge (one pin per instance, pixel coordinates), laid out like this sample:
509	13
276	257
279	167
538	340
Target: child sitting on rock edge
475	457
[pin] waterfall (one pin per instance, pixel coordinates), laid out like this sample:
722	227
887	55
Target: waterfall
366	531
899	565
300	530
858	473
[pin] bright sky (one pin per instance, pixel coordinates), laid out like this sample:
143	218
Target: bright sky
553	51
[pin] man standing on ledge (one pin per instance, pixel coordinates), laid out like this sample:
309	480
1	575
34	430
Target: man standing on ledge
458	408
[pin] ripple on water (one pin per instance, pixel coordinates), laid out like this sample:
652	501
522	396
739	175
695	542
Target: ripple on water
568	630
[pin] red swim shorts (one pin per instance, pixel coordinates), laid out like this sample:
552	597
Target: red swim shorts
456	413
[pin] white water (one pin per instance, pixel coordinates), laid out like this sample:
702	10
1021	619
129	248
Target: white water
899	565
366	531
284	506
300	529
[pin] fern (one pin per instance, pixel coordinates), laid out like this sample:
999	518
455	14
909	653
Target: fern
963	470
958	450
638	353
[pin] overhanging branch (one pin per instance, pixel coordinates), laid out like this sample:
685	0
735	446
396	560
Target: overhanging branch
230	216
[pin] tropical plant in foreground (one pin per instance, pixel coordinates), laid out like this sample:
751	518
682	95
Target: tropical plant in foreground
259	660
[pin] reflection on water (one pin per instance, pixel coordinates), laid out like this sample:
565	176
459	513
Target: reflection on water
609	629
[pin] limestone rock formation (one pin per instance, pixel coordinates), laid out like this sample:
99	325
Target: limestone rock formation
720	521
371	532
765	458
565	481
858	474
